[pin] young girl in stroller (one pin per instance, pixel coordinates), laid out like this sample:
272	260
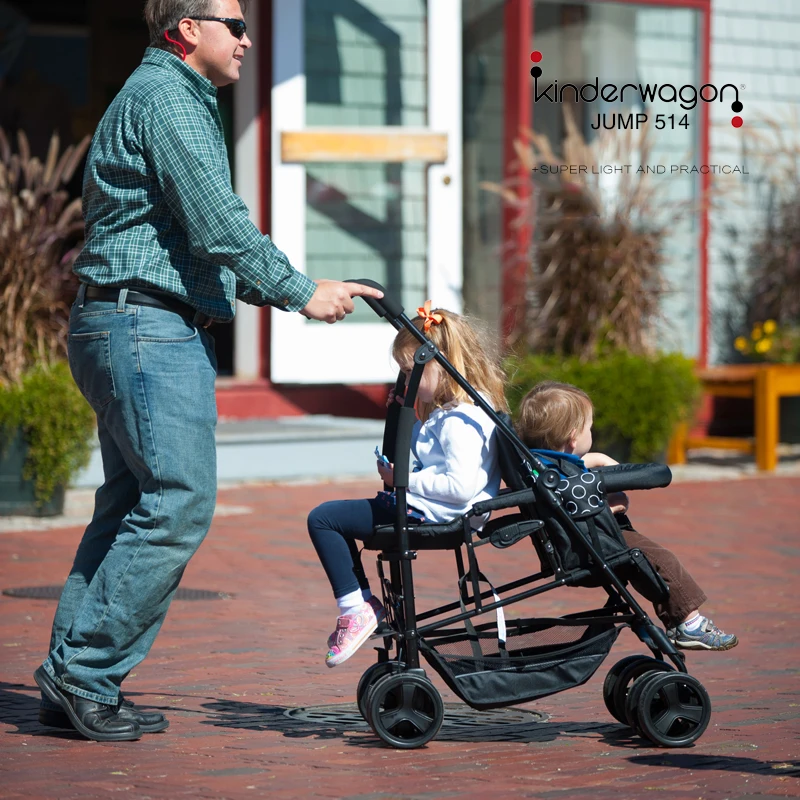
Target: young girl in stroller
454	466
555	421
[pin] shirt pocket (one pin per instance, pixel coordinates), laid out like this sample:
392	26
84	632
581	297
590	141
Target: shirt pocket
90	364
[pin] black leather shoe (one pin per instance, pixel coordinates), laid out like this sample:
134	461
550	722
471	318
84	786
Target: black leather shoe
94	720
149	721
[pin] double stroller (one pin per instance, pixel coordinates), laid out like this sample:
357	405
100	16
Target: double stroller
503	662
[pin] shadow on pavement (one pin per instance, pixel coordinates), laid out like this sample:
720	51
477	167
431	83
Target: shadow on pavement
461	724
784	769
18	707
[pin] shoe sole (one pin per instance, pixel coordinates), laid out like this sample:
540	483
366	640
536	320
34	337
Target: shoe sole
48	686
701	646
340	658
58	719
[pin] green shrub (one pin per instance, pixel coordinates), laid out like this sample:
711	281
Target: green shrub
56	423
638	400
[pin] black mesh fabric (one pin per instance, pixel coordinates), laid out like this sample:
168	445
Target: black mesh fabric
541	657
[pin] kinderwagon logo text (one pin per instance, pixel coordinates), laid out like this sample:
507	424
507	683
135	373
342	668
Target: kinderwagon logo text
687	97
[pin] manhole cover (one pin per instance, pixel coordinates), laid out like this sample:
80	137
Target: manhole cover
461	723
54	593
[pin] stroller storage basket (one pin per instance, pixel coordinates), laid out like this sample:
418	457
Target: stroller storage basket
540	657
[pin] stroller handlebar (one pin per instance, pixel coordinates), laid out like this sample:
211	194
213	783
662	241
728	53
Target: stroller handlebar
625	477
388	306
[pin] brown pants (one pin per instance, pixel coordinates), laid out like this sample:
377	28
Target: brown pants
684	594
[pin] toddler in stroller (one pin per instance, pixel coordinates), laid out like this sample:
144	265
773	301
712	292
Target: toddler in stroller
555	421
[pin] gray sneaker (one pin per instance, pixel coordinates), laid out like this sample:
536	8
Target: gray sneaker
707	637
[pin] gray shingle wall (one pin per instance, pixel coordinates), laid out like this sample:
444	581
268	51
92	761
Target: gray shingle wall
755	43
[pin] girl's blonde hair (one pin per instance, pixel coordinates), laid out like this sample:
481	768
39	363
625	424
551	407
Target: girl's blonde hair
461	345
550	414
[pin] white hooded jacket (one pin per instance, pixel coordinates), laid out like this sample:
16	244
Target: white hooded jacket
454	462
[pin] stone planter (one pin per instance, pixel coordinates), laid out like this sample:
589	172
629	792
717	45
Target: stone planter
17	496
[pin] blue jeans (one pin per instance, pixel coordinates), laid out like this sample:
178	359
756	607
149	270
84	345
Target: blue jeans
335	527
149	375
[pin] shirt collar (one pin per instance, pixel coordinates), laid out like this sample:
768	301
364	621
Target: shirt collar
161	58
552	455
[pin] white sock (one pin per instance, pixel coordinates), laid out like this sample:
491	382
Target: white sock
694	623
349	601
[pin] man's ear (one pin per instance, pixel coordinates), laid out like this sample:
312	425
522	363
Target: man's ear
189	30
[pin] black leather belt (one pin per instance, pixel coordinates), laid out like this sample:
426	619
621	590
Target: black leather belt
139	298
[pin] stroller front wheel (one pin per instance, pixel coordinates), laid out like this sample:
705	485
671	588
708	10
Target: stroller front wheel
405	711
370	677
626	678
674	709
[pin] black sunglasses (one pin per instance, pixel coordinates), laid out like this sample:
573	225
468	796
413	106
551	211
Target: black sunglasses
237	27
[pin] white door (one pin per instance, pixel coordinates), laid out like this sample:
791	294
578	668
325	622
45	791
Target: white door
366	170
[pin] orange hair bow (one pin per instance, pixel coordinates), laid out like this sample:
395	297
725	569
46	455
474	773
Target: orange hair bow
430	318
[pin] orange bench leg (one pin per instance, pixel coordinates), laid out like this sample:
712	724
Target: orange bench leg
766	420
676	451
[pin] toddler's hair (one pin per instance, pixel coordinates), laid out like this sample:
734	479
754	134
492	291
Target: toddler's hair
461	345
550	413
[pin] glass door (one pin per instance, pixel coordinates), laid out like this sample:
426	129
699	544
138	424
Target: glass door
366	170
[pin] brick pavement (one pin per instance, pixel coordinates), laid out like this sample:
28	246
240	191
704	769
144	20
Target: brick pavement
226	671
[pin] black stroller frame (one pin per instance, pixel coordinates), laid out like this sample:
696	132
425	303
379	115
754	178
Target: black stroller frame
505	663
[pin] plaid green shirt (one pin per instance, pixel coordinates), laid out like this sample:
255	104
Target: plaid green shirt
158	204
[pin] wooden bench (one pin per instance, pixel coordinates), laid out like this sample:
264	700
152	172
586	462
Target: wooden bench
766	384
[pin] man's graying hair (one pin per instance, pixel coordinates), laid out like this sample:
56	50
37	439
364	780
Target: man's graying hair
164	15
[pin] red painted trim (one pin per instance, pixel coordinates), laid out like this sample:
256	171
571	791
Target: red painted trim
702	5
705	187
261	399
517	113
265	50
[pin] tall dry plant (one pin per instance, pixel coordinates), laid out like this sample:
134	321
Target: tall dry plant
598	242
39	233
773	279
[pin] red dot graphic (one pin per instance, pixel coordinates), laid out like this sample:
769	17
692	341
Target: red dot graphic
536	56
737	122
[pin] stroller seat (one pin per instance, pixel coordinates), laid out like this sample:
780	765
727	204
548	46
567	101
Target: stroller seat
425	536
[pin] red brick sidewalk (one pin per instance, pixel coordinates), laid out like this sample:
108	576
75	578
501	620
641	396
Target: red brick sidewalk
226	671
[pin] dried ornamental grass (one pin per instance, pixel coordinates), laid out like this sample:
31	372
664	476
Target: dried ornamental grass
38	224
597	256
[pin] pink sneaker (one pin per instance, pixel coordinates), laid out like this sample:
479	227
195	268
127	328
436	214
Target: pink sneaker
377	607
352	630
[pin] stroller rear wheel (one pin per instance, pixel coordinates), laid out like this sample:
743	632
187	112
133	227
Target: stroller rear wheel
368	679
673	710
405	711
615	691
611	681
631	702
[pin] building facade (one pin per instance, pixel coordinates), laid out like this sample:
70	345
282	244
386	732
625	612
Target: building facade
361	131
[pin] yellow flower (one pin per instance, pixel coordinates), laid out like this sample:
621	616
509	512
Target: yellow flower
770	326
763	345
757	332
740	343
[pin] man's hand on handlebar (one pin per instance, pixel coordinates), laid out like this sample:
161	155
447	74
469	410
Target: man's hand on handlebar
333	300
